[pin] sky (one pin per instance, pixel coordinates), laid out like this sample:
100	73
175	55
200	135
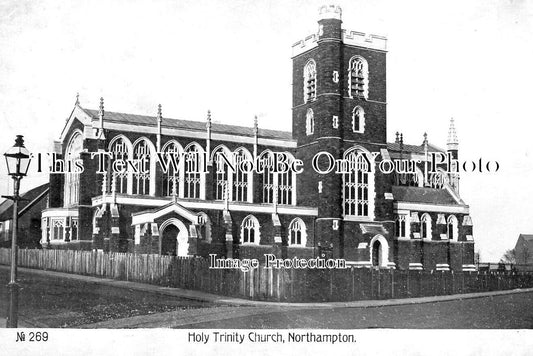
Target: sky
470	60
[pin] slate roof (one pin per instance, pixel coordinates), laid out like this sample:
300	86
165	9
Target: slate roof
143	120
423	195
6	207
526	237
395	146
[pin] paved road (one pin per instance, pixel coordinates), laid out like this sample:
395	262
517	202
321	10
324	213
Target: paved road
514	311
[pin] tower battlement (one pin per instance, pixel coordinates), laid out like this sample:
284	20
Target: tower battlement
305	44
362	39
354	38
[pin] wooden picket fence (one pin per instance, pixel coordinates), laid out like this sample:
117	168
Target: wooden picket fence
291	285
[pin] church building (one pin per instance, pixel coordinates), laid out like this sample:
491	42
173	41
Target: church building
208	204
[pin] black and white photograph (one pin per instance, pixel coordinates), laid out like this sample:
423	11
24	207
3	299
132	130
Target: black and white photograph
220	177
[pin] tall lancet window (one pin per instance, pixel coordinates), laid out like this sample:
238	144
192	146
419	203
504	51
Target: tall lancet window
170	180
267	162
358	119
309	122
221	167
425	226
358	77
285	184
241	179
358	184
72	179
120	150
193	172
452	228
142	174
310	81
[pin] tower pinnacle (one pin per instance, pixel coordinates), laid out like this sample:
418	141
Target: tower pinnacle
330	12
453	142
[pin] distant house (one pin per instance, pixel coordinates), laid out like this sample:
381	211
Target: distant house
524	249
32	203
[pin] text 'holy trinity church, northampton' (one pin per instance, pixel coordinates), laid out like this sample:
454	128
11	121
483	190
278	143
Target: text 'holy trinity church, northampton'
414	220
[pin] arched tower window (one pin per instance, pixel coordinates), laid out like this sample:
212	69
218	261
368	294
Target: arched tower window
310	81
425	226
358	119
358	184
358	77
170	180
142	158
72	180
309	122
452	228
297	233
121	150
250	230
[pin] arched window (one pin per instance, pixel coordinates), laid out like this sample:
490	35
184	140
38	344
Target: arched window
241	180
358	77
221	167
297	233
72	179
415	179
438	179
309	122
268	177
401	226
310	81
193	172
204	227
358	184
281	185
170	180
250	230
142	158
358	119
452	228
425	226
121	151
285	183
74	229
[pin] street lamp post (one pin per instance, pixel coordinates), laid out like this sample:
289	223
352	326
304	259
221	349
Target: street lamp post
18	161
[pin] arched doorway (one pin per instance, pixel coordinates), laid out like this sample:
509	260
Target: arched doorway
174	238
379	251
169	240
376	250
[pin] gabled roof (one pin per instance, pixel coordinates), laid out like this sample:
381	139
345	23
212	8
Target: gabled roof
423	195
28	199
525	243
395	147
143	120
150	215
526	237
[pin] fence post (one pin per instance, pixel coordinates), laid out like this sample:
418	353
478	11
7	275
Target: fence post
392	284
